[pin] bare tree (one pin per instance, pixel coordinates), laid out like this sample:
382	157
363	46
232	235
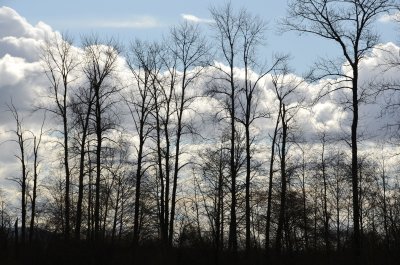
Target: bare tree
289	102
213	165
60	63
82	104
271	178
140	103
36	145
162	87
340	167
100	65
252	30
21	141
322	168
227	29
349	24
190	49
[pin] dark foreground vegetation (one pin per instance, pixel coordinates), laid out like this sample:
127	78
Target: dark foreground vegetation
90	253
131	178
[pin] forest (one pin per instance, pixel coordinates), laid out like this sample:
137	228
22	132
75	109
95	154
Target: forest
194	149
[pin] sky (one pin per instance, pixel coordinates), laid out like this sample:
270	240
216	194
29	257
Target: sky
23	27
127	20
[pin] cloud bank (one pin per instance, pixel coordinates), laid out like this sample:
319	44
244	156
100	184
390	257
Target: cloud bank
22	80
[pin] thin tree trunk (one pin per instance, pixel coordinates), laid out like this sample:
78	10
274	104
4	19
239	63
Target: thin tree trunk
177	154
138	186
354	165
163	223
270	182
98	166
167	229
35	175
326	217
114	227
121	217
305	223
81	172
282	209
67	173
218	236
23	193
337	210
232	224
385	224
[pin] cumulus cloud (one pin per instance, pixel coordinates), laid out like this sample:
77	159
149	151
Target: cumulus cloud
195	19
12	24
22	79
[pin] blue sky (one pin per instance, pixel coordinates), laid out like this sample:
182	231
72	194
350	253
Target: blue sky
127	20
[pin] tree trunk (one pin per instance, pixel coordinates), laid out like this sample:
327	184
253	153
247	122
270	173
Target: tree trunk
354	166
114	227
247	184
232	224
305	223
98	166
282	210
23	193
177	152
326	217
138	186
82	154
270	182
35	175
67	173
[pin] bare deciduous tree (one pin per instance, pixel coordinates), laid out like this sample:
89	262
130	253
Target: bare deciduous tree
60	63
21	139
36	145
227	30
100	64
190	49
140	103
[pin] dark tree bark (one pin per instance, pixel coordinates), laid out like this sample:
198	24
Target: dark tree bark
282	207
385	207
19	132
323	141
36	146
270	182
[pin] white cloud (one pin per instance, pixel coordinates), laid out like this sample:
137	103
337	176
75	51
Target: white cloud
387	18
12	24
21	47
194	19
